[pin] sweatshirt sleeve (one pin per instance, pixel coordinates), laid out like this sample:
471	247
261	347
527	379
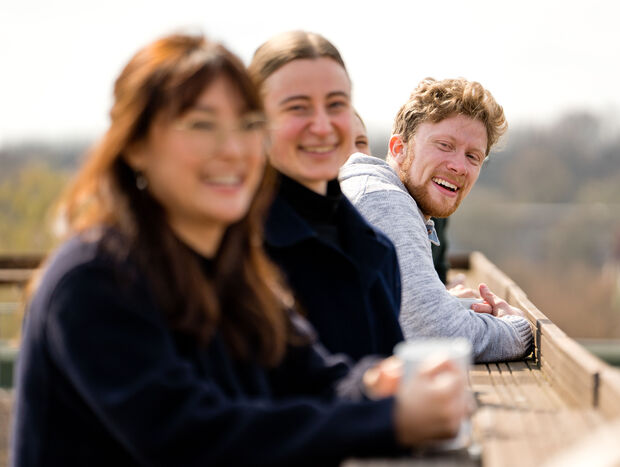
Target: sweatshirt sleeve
121	359
428	309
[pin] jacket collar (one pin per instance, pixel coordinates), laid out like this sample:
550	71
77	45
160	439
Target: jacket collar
284	227
365	249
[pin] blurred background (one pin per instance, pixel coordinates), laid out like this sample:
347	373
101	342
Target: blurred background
546	208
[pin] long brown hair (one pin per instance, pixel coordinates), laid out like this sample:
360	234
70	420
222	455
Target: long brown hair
289	46
243	296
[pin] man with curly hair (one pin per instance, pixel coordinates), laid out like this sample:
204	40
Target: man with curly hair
440	139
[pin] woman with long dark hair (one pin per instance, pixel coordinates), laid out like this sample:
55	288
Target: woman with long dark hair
159	333
343	272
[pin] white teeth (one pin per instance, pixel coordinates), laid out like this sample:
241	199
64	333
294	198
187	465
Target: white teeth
442	182
318	149
224	180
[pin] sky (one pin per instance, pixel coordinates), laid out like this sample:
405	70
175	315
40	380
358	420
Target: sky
540	59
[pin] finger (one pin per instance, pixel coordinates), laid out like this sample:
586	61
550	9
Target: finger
390	374
371	377
470	404
437	365
487	295
387	386
482	308
450	386
392	366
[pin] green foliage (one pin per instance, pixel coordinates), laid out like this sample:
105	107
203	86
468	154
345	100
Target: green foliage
26	199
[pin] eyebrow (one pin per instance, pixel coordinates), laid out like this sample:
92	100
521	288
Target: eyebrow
202	108
307	98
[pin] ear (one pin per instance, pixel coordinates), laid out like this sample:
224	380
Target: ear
398	150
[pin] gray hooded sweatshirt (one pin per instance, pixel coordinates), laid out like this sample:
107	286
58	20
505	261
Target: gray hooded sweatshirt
427	308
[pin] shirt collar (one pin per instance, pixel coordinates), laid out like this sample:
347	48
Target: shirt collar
432	233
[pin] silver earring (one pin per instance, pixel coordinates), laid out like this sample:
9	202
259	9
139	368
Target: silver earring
141	181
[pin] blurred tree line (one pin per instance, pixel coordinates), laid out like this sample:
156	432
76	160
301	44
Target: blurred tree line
575	160
546	210
32	176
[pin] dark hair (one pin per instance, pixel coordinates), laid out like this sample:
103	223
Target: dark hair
244	297
286	47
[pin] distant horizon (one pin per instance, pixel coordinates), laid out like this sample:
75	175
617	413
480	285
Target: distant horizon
610	129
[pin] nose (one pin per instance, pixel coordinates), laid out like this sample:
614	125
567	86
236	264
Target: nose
231	144
458	162
321	123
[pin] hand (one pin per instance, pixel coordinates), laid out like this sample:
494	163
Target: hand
494	305
382	380
432	404
460	291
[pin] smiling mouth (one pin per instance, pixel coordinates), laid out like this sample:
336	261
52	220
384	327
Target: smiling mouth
445	184
323	149
224	180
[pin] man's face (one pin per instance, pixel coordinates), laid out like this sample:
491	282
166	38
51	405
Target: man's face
441	163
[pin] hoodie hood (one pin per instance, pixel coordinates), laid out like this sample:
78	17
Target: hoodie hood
360	164
363	174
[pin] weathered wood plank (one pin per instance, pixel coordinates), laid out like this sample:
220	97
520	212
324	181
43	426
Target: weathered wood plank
555	400
576	384
15	276
534	391
20	261
609	393
573	367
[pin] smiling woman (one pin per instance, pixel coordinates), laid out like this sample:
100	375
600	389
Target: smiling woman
343	272
203	176
309	105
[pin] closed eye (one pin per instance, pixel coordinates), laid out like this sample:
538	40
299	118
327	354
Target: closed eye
475	158
338	104
253	124
202	125
297	108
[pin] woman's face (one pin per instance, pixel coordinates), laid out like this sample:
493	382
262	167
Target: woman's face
204	166
308	104
360	141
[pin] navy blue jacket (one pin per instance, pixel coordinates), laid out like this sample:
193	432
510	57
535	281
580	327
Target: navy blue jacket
103	381
348	287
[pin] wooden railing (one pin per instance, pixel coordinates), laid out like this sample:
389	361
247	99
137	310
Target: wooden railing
17	269
575	372
532	411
